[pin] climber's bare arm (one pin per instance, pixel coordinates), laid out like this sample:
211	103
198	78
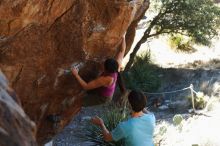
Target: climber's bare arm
120	55
99	82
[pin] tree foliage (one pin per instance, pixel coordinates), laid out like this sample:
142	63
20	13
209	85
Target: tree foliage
198	19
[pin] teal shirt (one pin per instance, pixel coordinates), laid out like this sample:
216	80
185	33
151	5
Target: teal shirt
136	131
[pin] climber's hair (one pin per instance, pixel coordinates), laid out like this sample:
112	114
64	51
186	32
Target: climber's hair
137	100
111	65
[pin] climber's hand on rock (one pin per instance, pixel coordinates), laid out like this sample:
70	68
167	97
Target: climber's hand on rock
97	121
74	71
124	34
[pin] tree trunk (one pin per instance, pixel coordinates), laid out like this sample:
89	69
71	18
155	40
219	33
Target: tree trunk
133	54
143	40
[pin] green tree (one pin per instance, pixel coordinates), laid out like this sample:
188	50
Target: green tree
198	19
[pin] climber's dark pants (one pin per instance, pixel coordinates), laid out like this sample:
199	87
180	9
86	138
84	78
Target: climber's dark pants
92	99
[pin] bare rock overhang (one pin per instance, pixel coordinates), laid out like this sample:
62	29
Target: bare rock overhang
40	38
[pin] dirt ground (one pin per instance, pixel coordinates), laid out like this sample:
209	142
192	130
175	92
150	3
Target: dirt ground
69	135
193	127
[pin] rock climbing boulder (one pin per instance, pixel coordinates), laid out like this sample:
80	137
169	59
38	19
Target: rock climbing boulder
40	40
16	129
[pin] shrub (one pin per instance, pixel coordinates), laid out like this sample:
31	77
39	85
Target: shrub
177	119
201	100
179	43
111	119
143	74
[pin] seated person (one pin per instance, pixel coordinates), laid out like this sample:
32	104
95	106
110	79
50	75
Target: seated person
136	131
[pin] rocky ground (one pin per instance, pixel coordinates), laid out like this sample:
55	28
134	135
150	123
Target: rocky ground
70	136
166	133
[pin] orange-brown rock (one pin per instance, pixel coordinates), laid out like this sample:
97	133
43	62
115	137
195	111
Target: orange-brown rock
40	38
16	129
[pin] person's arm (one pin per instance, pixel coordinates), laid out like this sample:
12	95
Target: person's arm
120	55
145	111
106	134
99	82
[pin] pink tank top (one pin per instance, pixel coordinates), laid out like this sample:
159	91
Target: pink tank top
109	91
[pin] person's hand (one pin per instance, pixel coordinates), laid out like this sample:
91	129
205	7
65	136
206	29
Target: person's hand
74	71
97	121
124	34
145	111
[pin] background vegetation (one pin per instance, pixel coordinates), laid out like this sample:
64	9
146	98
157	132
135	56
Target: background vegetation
143	75
111	118
197	19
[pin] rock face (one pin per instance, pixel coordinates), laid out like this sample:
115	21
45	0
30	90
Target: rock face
16	128
38	39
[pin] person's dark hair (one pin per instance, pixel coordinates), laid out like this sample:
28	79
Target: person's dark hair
137	100
111	65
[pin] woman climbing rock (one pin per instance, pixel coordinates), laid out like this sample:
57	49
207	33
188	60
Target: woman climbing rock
105	84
